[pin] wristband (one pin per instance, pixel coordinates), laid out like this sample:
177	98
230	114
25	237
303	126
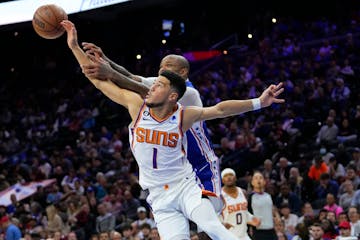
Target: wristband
256	103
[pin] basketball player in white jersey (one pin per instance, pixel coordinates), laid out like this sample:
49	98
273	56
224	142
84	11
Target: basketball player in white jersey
159	145
199	152
235	215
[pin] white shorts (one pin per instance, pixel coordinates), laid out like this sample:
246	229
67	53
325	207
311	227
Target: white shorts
172	206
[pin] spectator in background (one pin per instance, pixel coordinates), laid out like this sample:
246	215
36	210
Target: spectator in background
307	213
283	170
345	200
142	218
351	174
130	205
296	182
329	229
355	157
286	196
154	234
290	219
105	221
126	231
269	171
340	93
326	185
104	236
347	133
72	236
316	231
336	170
345	232
115	235
54	221
327	134
301	232
317	168
353	215
331	204
12	232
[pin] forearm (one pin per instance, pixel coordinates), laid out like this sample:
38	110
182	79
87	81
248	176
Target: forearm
83	59
233	107
120	69
125	82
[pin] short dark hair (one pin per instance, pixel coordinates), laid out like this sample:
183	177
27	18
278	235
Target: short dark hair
176	81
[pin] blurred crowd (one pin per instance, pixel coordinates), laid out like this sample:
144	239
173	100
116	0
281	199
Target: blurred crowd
308	148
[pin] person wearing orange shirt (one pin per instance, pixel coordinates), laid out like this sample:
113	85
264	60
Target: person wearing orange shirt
317	168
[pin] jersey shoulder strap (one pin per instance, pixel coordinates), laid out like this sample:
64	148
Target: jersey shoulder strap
250	202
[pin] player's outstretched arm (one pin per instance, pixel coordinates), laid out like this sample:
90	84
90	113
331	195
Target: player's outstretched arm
134	82
233	107
92	49
128	99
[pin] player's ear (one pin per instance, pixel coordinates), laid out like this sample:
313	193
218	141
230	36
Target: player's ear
184	71
173	96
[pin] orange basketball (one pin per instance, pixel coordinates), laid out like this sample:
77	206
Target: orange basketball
46	21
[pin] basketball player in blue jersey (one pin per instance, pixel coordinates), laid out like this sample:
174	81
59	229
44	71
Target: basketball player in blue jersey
156	134
199	152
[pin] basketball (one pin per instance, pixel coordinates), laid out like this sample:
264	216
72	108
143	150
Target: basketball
46	21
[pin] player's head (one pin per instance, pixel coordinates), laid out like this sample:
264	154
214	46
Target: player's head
168	87
228	177
175	63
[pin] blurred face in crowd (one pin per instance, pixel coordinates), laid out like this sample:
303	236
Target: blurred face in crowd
350	173
316	232
331	216
345	232
72	236
279	225
353	214
342	217
116	236
104	236
280	236
307	209
154	234
330	199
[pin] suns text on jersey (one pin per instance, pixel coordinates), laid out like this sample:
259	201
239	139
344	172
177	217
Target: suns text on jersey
237	207
156	137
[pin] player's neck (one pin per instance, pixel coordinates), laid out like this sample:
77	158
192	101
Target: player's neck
163	112
230	189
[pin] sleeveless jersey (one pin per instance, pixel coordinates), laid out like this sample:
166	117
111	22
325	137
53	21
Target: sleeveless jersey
159	146
236	213
199	148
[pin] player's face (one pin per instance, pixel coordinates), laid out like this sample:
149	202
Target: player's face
169	63
158	93
229	180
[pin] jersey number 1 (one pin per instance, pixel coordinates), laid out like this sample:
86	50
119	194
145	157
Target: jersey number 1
155	158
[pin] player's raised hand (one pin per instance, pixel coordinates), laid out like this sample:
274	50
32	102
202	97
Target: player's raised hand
99	68
92	49
270	95
72	38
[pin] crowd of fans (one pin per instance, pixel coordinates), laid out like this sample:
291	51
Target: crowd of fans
308	148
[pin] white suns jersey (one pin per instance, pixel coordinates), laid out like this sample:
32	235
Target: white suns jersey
199	148
159	146
236	213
